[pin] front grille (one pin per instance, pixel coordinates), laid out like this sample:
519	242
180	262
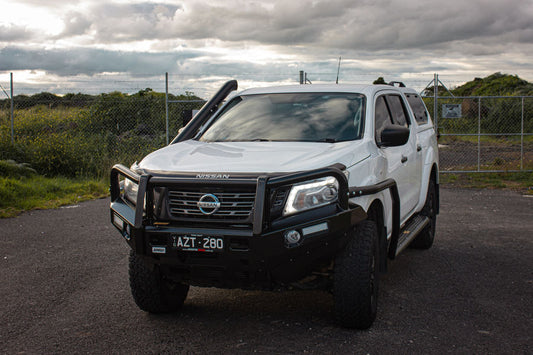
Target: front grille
233	205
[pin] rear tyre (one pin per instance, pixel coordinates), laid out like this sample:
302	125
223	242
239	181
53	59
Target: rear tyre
425	239
356	278
151	291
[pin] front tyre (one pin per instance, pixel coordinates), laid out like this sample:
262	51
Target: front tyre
151	291
356	278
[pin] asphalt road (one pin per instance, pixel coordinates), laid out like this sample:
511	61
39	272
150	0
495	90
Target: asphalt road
64	289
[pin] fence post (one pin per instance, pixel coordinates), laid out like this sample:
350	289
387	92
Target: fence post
301	77
12	116
522	138
479	134
166	106
435	104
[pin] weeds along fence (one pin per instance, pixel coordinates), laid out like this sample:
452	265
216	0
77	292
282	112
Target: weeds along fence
484	134
83	135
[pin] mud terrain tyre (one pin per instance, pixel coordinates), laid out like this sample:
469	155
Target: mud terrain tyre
425	239
356	278
151	292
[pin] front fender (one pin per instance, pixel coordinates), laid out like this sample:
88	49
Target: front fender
430	161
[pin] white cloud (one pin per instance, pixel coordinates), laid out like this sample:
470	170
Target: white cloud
40	20
14	33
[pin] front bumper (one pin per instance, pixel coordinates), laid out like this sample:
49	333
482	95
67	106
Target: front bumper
262	261
256	256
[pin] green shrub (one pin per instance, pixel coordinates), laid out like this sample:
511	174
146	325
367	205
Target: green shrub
10	168
84	142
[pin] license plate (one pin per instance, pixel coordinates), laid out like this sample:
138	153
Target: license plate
199	243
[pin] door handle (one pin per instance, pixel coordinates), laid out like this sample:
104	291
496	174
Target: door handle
418	147
404	159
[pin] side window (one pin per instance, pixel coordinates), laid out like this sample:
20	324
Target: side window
398	111
418	107
382	117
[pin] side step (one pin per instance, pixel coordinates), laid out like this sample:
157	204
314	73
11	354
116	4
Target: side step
409	232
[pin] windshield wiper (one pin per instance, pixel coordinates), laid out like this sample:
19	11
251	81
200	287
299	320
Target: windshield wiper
328	140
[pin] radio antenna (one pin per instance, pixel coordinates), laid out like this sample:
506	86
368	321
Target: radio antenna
338	70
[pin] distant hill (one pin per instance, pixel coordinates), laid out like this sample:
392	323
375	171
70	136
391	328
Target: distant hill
497	84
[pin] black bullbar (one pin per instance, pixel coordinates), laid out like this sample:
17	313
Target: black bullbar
138	217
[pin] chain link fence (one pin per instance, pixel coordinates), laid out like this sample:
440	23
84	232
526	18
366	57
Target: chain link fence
484	134
84	135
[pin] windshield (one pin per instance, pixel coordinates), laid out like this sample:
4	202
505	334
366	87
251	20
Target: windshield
304	117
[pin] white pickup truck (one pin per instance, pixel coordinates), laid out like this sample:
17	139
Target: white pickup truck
282	187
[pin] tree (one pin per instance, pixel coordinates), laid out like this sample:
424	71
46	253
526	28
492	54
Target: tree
379	80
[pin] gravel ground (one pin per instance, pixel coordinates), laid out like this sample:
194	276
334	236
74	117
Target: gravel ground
64	289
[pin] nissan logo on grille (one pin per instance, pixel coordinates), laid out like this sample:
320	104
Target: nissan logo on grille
208	204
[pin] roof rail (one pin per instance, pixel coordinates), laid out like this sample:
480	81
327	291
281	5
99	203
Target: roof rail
400	84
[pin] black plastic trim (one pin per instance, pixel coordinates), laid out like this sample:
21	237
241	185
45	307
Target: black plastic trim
437	193
258	210
117	170
400	84
395	196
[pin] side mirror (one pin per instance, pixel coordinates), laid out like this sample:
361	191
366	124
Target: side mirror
394	135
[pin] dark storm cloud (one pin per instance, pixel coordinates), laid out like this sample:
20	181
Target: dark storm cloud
88	61
286	22
320	25
419	25
62	62
370	25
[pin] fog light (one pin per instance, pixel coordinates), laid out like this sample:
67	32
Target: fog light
292	237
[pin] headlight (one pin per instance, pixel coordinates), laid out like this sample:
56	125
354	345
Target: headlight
312	194
130	190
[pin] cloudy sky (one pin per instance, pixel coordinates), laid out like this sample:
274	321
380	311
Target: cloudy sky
103	45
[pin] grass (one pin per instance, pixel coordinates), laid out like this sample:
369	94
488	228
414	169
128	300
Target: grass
521	182
22	189
25	193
